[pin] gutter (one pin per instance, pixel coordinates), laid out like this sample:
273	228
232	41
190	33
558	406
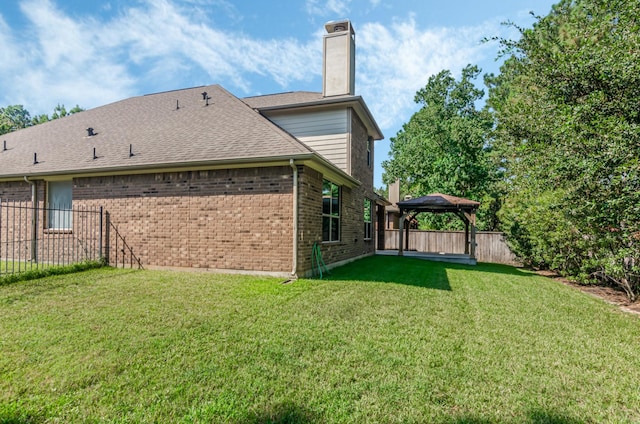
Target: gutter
34	192
294	261
312	159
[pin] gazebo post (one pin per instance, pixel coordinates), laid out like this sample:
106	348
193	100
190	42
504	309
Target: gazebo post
473	235
400	232
406	242
466	236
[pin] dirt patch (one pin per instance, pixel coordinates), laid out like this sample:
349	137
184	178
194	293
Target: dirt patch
608	294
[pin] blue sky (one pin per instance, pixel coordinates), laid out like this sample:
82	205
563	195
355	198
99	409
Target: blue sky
91	53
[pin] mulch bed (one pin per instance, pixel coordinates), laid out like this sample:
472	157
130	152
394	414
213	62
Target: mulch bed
608	294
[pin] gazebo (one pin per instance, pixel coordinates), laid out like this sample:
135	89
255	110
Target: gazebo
465	209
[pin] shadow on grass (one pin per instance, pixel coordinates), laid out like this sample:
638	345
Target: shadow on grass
395	269
12	414
413	271
284	413
534	417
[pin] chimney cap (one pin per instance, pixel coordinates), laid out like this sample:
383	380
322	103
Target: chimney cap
341	25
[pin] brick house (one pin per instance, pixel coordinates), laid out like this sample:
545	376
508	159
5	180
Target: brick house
200	178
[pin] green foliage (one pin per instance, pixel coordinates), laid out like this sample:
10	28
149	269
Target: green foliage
15	117
568	138
444	147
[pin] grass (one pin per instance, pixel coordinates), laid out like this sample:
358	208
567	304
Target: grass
12	272
385	339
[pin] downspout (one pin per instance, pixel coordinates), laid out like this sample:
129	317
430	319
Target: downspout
34	219
294	269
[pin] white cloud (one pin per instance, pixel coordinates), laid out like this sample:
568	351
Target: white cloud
155	44
325	8
395	61
163	33
58	63
166	44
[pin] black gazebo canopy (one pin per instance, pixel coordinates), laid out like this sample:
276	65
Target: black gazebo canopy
442	203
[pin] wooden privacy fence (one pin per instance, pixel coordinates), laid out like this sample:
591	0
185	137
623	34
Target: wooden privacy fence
491	246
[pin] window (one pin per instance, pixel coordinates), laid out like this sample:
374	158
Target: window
60	216
368	219
369	141
330	211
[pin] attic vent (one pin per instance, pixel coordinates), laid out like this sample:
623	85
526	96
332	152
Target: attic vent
90	132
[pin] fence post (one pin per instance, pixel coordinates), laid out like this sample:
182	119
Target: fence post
100	237
34	226
107	235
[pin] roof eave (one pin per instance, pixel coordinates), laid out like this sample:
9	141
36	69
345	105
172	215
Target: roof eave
311	159
355	102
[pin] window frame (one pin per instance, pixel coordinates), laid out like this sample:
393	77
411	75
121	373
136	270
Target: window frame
332	214
59	216
368	225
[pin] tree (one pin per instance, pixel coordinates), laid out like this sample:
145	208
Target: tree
568	138
13	118
60	111
444	147
16	117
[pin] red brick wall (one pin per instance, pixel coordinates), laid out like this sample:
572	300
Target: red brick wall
352	243
238	219
15	191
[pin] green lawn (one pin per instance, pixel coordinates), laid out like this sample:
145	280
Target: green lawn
386	340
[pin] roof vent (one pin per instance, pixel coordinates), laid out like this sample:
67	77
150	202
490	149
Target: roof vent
206	98
90	132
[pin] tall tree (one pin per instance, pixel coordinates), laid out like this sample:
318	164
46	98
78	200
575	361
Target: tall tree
444	147
568	135
13	117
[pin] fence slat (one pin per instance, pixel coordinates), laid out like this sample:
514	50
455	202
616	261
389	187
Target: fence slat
491	246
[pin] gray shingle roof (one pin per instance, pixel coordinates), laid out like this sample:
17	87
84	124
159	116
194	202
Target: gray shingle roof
160	134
